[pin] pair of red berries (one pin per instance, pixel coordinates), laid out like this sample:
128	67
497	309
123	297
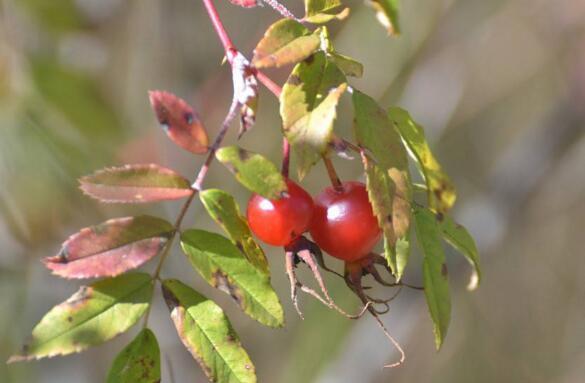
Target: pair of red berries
341	222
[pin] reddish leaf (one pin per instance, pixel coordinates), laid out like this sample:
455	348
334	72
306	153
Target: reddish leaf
135	184
179	121
111	248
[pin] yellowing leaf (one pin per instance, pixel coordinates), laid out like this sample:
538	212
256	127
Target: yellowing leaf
285	42
223	266
93	315
253	171
322	11
207	333
440	189
308	107
387	14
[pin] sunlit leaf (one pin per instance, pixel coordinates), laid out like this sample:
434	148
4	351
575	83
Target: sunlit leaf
285	42
375	132
225	267
246	90
135	184
322	11
207	333
179	121
111	248
253	171
458	237
436	282
440	189
308	107
138	362
93	315
387	14
224	210
348	66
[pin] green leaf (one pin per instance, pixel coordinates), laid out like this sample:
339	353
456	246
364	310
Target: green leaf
135	184
387	14
285	42
440	189
374	131
253	171
138	362
348	66
111	248
222	207
436	282
458	237
224	266
308	107
93	315
207	333
322	11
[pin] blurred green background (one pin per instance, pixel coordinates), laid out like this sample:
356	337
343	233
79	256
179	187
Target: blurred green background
498	85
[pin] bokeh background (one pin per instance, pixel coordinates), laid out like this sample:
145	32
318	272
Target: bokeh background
498	85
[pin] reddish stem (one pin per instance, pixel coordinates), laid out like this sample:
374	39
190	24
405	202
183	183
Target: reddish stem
335	181
219	28
269	84
285	157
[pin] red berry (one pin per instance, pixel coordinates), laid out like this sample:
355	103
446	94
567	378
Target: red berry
278	222
343	223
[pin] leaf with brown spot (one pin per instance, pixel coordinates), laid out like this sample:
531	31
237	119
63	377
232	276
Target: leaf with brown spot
225	267
440	190
111	248
253	171
246	91
179	121
285	42
458	237
308	107
207	333
222	207
93	315
135	184
138	362
436	281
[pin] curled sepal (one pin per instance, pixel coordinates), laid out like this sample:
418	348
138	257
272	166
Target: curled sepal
245	91
138	362
458	237
207	334
285	42
254	171
440	190
436	283
93	315
135	184
322	11
222	207
111	248
308	107
387	14
179	121
225	267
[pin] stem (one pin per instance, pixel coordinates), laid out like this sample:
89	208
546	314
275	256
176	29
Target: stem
219	28
269	84
285	157
335	181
